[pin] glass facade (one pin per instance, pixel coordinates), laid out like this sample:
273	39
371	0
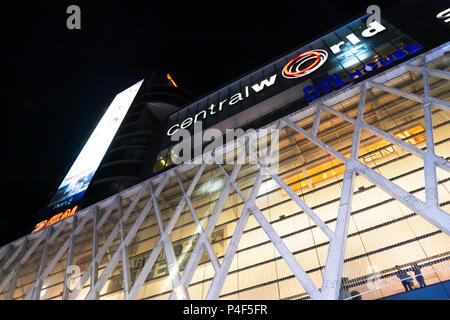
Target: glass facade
229	231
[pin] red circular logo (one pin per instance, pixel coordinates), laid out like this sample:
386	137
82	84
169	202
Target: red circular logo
305	64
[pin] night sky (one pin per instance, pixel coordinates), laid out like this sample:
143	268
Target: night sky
58	82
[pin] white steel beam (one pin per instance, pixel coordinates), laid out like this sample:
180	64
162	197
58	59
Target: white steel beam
432	72
73	295
197	253
431	189
35	292
219	279
52	233
292	194
317	118
336	250
126	278
12	257
69	260
435	216
441	162
209	249
321	144
171	261
24	256
4	252
77	229
395	91
116	257
285	253
94	252
16	271
441	104
158	247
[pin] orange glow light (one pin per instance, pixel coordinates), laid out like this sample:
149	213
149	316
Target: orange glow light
171	80
55	219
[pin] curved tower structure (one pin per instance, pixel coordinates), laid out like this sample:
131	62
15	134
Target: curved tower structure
131	155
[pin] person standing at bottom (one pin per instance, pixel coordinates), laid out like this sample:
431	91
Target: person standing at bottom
418	275
405	278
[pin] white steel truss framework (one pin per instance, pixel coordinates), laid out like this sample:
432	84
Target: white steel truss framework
15	255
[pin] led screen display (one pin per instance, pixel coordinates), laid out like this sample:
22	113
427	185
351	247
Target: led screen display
83	169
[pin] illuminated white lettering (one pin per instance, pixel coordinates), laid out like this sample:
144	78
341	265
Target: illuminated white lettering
353	39
221	104
444	15
212	109
235	99
337	47
264	83
375	27
201	112
186	123
170	132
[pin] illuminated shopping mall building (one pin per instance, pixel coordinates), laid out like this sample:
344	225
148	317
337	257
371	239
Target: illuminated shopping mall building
359	126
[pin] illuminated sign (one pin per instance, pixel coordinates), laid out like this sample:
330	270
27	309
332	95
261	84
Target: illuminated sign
375	27
55	219
80	174
342	57
219	106
336	80
296	67
337	53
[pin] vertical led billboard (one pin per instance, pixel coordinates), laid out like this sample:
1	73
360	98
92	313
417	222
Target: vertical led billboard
80	174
